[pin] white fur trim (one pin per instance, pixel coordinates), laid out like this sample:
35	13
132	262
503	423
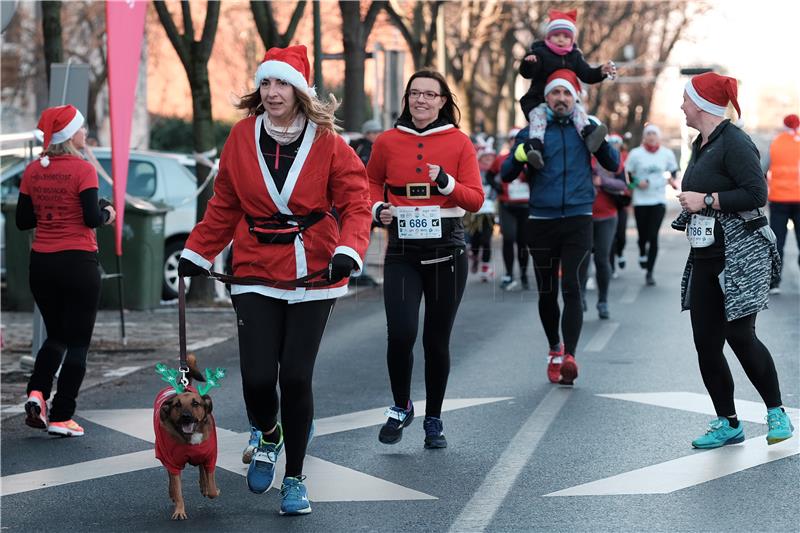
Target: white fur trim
283	71
69	130
375	207
446	212
293	297
561	82
45	161
349	252
702	103
197	259
426	132
451	184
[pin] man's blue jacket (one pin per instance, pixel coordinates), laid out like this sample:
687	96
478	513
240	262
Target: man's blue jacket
563	187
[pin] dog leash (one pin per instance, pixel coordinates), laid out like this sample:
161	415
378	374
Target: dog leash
303	282
183	366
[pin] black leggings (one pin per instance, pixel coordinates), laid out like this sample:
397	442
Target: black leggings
513	220
711	330
565	244
619	237
278	343
648	222
66	287
481	239
405	281
603	237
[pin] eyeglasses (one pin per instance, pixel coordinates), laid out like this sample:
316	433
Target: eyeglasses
413	94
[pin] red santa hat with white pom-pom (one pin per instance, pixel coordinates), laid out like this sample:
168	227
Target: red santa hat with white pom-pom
289	64
58	125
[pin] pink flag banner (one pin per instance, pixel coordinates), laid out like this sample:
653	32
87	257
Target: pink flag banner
125	30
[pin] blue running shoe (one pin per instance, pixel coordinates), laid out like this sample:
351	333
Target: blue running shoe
294	496
261	472
252	445
392	431
780	427
434	436
718	434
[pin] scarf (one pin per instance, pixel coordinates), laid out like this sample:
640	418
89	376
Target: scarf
284	135
558	50
651	149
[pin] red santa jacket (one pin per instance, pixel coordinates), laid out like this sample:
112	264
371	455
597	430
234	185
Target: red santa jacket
519	192
173	454
399	157
326	173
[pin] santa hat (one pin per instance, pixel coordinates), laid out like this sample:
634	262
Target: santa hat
651	128
615	138
563	78
58	125
289	64
712	93
792	122
562	21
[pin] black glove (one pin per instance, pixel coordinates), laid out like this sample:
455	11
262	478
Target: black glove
442	179
102	203
187	269
340	267
378	214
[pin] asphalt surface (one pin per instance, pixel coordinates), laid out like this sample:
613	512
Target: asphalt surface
498	351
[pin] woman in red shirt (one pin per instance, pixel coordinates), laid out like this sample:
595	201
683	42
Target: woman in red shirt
58	197
423	176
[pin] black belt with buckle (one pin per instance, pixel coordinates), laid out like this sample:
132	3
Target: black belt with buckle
416	190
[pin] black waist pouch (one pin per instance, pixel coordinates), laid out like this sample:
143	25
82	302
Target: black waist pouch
280	228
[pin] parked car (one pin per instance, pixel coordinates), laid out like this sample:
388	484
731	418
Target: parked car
154	176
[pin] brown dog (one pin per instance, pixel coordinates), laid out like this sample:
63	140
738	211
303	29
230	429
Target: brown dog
186	433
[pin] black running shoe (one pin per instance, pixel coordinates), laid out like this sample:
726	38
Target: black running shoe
434	436
392	431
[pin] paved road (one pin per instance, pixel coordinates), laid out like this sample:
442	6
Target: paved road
515	440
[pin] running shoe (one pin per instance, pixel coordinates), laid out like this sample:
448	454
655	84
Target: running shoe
718	434
261	472
649	280
36	409
643	261
780	427
526	286
294	496
602	310
621	262
569	370
775	289
554	360
507	283
398	418
252	445
67	428
487	272
434	436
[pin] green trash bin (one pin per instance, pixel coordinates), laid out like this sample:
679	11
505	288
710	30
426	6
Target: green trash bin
142	257
16	252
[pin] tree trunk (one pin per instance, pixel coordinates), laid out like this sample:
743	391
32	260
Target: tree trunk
354	57
51	30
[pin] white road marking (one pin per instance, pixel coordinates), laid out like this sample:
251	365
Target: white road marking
631	293
326	482
481	508
601	337
205	343
700	466
121	371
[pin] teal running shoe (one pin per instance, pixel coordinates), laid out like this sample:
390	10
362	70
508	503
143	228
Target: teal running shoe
252	445
294	496
718	434
261	472
780	427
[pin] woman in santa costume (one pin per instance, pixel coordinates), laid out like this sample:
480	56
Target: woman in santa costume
282	171
423	177
58	197
732	260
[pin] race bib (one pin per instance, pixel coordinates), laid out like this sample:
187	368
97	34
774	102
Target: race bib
700	231
519	190
423	222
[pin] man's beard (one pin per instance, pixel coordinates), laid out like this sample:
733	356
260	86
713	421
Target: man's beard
562	110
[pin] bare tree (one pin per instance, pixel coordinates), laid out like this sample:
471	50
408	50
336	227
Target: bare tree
51	29
418	29
355	32
268	26
194	55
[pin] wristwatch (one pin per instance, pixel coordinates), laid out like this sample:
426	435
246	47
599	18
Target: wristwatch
709	199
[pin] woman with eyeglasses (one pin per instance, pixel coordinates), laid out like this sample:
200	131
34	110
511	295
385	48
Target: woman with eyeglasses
423	177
